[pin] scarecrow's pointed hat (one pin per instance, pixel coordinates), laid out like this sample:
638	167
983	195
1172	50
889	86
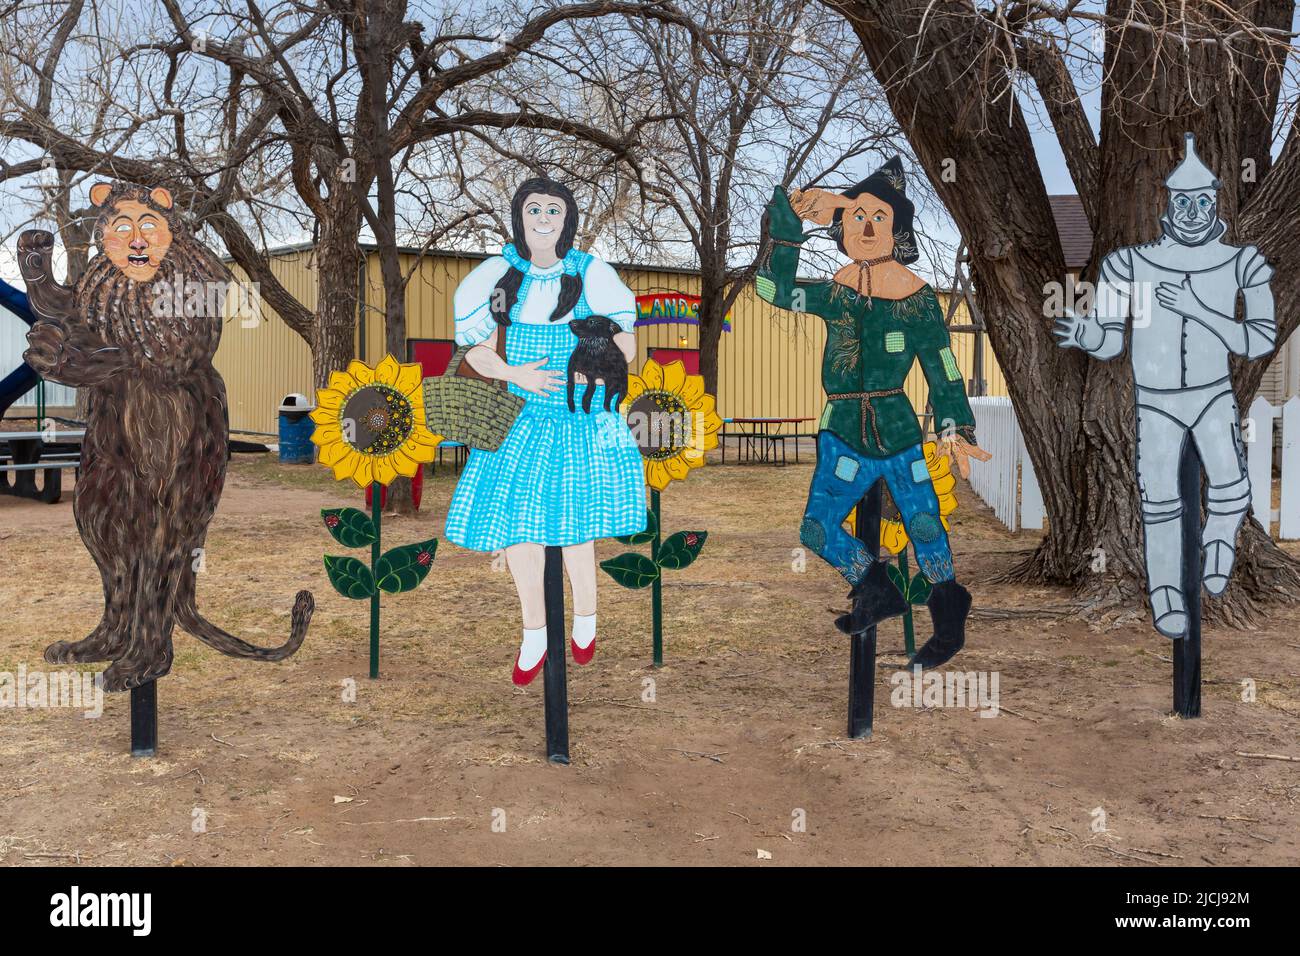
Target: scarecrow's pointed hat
1191	174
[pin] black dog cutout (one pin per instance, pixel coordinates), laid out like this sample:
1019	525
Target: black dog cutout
597	358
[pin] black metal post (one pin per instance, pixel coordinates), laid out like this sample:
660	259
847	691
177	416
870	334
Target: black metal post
862	653
144	719
1187	650
554	679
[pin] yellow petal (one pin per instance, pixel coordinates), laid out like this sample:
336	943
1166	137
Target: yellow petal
677	468
342	382
656	475
652	374
361	373
692	390
324	416
327	435
346	466
892	536
694	457
387	370
674	376
332	453
422	436
410	380
406	465
328	398
384	471
365	472
635	387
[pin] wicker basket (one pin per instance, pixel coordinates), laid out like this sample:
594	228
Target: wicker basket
473	411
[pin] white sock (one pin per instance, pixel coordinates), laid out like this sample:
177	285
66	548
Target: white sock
584	630
532	648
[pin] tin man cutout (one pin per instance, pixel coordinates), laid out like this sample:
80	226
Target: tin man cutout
1181	293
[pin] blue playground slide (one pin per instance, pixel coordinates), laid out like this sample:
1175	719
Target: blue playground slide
18	382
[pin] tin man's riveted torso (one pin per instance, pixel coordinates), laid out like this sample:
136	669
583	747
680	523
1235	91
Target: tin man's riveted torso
1181	295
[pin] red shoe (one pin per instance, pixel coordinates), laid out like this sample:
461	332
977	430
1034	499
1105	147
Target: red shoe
582	655
522	678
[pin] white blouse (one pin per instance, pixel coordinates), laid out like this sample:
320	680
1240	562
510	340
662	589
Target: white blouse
603	289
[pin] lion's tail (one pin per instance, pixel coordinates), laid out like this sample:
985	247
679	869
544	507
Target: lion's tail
188	617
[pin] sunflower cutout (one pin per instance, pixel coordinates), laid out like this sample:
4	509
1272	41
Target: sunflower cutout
673	420
370	423
893	536
370	427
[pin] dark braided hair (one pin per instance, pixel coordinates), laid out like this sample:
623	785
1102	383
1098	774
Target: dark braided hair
507	290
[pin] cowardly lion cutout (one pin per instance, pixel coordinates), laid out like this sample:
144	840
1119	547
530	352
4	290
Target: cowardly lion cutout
153	462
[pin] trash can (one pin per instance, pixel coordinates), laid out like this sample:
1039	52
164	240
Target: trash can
295	430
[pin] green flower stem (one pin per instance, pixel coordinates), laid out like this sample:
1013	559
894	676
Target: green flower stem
909	637
376	495
656	589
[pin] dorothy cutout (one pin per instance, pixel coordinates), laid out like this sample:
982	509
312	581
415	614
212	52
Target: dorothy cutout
563	477
1181	293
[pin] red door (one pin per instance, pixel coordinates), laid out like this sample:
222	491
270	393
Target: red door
688	357
432	354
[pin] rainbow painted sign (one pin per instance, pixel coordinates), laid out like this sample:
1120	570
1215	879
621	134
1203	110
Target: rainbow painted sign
668	308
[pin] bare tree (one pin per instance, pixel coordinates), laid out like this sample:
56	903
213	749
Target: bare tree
279	85
956	73
772	101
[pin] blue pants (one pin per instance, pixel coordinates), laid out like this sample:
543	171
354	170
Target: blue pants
842	477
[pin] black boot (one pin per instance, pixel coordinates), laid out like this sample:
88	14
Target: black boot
874	598
949	605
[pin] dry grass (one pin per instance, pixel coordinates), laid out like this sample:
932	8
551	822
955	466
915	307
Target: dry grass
745	729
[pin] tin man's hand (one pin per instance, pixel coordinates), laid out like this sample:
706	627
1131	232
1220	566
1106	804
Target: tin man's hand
1181	299
1078	332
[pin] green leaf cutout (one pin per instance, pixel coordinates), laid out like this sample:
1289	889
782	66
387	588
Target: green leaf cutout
350	527
402	569
681	549
631	570
646	536
349	576
896	575
918	592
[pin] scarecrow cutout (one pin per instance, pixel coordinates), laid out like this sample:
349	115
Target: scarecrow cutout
880	318
137	337
559	467
1181	293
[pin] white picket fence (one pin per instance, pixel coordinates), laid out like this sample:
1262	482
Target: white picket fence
1007	483
1257	430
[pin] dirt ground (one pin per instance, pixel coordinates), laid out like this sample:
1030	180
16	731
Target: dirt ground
740	755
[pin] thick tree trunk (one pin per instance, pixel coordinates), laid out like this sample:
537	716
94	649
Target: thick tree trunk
712	311
333	342
945	84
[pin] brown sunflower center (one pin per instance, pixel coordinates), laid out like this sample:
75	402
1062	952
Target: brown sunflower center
661	423
377	420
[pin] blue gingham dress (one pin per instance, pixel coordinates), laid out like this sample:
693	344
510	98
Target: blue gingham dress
560	477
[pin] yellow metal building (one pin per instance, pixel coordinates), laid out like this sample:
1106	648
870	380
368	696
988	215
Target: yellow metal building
769	362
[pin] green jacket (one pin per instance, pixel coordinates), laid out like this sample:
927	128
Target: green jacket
870	348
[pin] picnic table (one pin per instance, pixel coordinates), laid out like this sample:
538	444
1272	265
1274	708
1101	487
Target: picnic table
30	452
757	438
